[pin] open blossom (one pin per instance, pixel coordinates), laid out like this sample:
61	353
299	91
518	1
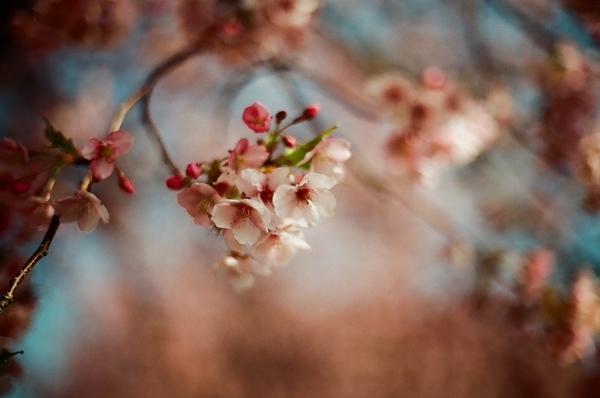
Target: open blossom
104	153
83	207
37	211
279	246
307	202
257	117
198	200
328	157
254	183
245	156
247	219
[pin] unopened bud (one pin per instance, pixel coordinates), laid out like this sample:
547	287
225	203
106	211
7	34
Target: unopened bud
126	184
20	186
193	170
311	111
289	141
280	116
176	182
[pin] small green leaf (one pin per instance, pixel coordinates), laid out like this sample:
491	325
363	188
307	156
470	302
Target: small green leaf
293	156
58	140
5	356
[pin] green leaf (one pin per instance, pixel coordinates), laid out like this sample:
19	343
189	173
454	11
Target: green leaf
5	356
293	156
58	140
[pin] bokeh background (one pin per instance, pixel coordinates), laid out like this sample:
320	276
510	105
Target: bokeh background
377	307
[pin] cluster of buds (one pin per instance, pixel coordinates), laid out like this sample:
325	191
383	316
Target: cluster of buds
568	323
260	195
436	125
249	29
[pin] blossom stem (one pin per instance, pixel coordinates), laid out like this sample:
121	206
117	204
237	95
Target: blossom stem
157	73
41	252
155	135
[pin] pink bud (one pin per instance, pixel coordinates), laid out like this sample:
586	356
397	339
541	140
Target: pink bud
176	182
311	111
126	184
20	186
288	141
433	77
257	117
193	170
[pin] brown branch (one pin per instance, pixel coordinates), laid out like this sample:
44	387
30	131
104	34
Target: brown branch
157	73
41	252
155	134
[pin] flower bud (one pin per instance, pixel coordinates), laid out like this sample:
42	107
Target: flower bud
176	182
193	170
280	116
311	111
20	186
289	141
125	183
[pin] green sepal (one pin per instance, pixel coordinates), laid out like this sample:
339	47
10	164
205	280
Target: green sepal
5	356
293	156
58	140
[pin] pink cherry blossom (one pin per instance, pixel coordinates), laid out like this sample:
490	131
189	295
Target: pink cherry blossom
328	156
198	200
254	183
239	270
245	156
307	202
104	153
247	218
278	247
257	117
83	207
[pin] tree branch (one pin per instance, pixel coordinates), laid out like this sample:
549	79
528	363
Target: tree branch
41	252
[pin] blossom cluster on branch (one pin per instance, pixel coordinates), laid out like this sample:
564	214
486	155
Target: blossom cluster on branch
261	195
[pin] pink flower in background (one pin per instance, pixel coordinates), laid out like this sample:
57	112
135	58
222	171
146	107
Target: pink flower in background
247	218
257	117
83	207
239	270
245	156
104	153
307	202
198	200
38	212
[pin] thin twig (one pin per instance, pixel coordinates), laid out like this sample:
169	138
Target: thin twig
155	134
157	73
41	252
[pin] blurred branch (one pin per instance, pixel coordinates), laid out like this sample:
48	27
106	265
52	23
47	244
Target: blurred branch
41	252
155	134
157	73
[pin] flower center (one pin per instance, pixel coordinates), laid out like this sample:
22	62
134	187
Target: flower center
303	194
107	151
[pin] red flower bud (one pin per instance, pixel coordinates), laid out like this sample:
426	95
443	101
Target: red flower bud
20	186
193	170
311	111
176	181
126	184
288	141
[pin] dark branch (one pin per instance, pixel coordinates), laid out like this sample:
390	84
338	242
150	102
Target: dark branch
41	252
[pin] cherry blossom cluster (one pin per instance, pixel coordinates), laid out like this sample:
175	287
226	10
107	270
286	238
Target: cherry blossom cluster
28	179
436	125
262	194
249	29
567	320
